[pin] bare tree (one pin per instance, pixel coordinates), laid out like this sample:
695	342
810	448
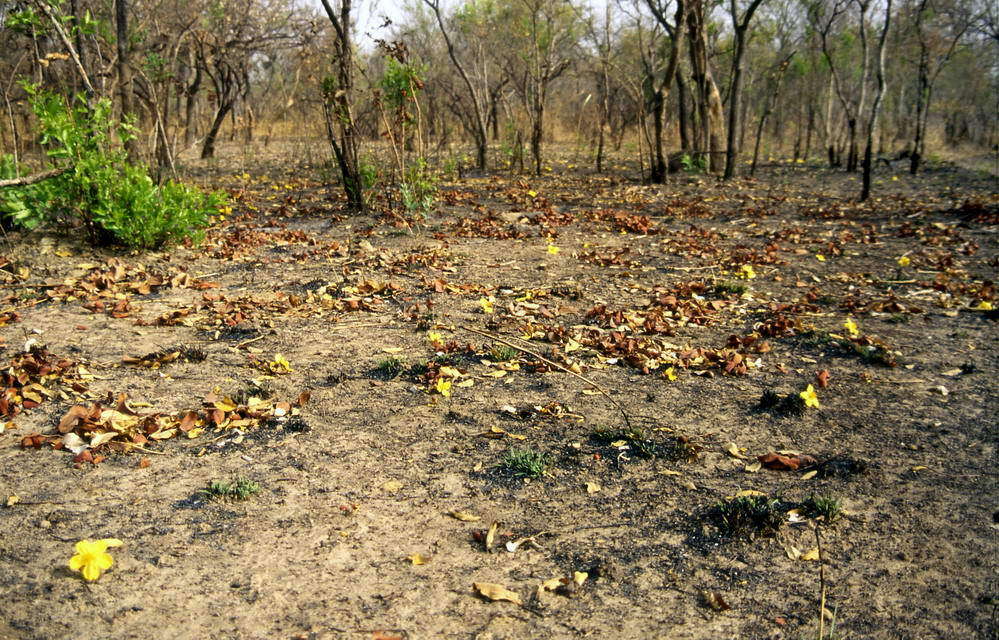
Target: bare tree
660	86
936	46
709	103
478	92
740	27
872	120
338	100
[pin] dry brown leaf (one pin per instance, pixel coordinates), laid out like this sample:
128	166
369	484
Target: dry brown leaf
392	486
732	449
496	592
491	535
812	555
464	516
715	601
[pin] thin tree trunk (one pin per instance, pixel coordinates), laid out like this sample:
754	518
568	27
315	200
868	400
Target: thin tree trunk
740	27
872	121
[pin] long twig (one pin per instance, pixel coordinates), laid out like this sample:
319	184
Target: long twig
822	584
595	386
24	181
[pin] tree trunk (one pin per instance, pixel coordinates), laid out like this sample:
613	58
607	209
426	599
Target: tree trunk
872	121
771	101
740	27
341	129
124	77
682	115
208	148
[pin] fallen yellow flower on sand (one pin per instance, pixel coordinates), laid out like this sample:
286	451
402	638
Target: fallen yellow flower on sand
443	387
92	557
747	272
808	395
486	304
904	261
552	249
851	326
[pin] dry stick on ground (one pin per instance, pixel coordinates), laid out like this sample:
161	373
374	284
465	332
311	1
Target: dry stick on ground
597	387
822	583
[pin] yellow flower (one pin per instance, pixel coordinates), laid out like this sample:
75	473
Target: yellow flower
533	194
443	387
746	271
552	249
851	326
808	395
279	364
904	261
486	304
670	374
984	305
92	557
820	257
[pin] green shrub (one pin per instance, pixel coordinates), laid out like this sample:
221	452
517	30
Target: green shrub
115	201
419	187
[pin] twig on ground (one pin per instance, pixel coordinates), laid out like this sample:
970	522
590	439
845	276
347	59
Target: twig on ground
822	583
595	386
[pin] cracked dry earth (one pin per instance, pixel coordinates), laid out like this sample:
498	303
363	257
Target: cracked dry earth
377	492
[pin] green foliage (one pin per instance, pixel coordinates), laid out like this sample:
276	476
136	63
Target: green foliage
728	286
524	463
829	508
696	163
503	353
239	489
401	82
369	173
115	201
23	205
391	367
749	516
419	187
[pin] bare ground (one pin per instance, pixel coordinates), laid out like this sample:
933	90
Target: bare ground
350	534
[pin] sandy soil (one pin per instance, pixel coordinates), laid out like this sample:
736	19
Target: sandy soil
352	532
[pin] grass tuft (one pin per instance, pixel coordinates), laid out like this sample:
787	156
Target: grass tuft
829	508
525	463
749	517
239	489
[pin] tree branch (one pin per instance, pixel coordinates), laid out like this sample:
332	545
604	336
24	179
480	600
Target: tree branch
32	179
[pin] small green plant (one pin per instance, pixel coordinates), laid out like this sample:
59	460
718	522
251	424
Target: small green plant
370	175
524	463
749	516
729	287
878	354
695	163
503	353
817	338
791	404
115	201
675	448
418	188
239	489
829	508
391	367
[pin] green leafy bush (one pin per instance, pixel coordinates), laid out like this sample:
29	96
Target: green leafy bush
419	187
114	200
